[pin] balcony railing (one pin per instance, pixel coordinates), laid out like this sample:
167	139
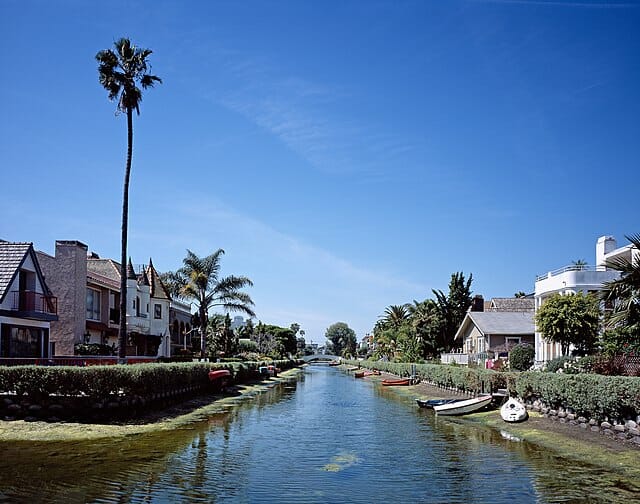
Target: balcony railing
560	271
31	301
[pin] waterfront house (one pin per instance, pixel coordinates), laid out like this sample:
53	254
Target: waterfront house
492	334
577	278
89	302
27	306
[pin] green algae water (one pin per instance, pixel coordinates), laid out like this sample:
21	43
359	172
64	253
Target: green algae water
325	437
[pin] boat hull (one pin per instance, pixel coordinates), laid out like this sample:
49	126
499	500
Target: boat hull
463	407
513	411
430	403
395	383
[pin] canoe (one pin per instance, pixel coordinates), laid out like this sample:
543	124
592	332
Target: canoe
513	411
359	374
463	407
430	403
375	372
389	383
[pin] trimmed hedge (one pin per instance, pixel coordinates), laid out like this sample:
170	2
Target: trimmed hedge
589	395
130	380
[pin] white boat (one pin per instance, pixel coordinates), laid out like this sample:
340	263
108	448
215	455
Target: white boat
463	407
513	411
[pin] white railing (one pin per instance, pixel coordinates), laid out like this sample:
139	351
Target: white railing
560	271
458	358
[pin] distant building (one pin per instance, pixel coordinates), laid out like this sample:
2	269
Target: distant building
237	322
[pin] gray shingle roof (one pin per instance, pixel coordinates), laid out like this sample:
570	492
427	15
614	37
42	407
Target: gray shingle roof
503	322
512	304
494	322
104	267
11	257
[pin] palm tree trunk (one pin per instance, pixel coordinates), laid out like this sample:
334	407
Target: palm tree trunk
122	337
203	331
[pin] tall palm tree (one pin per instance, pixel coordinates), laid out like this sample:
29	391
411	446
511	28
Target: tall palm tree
120	72
624	293
199	280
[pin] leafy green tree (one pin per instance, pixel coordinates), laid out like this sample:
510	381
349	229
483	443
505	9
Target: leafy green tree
224	339
453	307
199	280
520	294
623	294
120	72
521	357
570	320
427	321
342	338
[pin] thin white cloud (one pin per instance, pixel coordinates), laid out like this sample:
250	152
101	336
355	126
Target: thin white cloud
293	281
304	116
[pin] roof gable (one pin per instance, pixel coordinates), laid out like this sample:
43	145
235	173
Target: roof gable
498	323
12	257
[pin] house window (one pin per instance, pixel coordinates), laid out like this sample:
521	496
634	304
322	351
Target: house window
17	341
512	341
93	304
157	311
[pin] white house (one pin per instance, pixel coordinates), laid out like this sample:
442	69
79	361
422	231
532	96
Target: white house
577	278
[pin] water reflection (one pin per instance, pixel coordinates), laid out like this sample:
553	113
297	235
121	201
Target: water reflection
323	438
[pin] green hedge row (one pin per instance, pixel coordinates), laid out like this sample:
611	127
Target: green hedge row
459	377
588	395
130	380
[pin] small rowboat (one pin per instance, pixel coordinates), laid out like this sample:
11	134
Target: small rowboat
390	383
513	411
359	374
375	372
334	363
464	406
430	403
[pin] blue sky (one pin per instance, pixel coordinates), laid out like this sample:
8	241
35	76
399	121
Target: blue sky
347	155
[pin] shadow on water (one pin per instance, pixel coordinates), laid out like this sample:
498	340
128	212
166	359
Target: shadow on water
324	438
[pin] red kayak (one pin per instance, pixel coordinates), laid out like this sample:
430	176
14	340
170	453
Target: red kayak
389	383
219	378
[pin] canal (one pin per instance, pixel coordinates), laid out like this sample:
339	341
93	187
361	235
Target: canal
324	437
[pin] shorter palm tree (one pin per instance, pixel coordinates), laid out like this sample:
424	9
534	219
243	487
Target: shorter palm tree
199	281
623	294
395	315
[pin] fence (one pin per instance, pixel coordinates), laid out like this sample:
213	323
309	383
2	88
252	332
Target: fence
630	364
458	358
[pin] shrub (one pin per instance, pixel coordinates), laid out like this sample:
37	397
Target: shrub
521	357
93	349
554	365
589	395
